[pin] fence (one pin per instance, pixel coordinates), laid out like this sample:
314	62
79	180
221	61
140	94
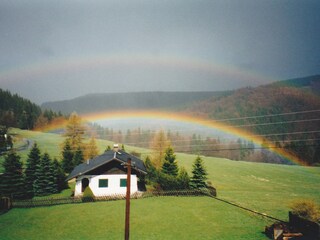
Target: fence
41	202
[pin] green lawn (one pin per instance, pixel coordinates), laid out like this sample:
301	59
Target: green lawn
267	188
152	218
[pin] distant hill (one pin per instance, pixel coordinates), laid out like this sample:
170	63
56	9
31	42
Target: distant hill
135	100
292	95
311	83
288	114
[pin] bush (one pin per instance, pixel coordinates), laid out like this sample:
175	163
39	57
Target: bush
88	195
307	209
167	182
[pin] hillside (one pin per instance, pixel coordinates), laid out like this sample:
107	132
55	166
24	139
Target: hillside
298	133
293	91
135	100
287	113
311	83
267	188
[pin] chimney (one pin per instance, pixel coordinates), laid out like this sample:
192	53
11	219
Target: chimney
115	147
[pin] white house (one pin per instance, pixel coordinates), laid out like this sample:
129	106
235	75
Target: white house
107	174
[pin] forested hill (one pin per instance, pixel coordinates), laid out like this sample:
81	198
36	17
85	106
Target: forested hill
16	111
286	96
286	113
133	100
311	83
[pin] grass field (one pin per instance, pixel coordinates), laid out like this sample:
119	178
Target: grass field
267	188
152	218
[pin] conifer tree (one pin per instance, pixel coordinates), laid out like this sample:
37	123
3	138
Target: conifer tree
12	180
199	177
170	166
32	161
151	170
67	157
183	179
45	181
60	177
78	157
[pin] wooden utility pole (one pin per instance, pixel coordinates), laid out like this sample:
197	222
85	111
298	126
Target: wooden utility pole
127	221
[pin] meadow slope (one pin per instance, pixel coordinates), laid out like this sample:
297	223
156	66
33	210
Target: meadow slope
267	188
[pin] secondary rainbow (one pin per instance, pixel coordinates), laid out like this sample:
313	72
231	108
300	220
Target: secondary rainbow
36	71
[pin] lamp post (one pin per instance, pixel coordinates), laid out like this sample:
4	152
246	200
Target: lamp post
127	220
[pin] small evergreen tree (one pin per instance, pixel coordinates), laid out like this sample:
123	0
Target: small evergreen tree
199	177
67	157
12	180
78	157
183	179
45	180
32	161
170	166
152	173
52	186
59	176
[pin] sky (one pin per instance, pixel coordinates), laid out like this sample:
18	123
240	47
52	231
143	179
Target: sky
56	50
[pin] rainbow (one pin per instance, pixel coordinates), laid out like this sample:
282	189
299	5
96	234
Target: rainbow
180	117
38	70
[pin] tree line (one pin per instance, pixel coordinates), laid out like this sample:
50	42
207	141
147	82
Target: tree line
42	176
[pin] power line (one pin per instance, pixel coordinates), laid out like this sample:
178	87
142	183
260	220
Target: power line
274	123
268	115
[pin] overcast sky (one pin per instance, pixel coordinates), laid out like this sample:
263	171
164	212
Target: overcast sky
54	50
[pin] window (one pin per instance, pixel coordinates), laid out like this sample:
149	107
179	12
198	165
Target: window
123	182
103	183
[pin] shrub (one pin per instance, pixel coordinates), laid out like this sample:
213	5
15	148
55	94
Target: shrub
88	195
307	209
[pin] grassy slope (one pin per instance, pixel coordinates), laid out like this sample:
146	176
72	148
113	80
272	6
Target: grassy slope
267	188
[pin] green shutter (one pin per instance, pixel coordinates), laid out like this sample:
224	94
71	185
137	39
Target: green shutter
123	182
103	183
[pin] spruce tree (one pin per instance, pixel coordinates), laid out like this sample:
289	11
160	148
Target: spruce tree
50	177
170	166
12	180
59	176
199	177
32	161
67	157
45	181
152	175
78	157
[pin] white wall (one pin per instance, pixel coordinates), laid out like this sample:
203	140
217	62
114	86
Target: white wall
113	184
